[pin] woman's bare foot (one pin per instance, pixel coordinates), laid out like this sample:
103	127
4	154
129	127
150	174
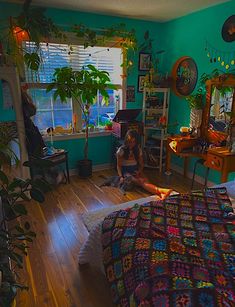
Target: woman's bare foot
164	193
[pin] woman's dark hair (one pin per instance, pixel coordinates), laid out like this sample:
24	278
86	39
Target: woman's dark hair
28	106
131	134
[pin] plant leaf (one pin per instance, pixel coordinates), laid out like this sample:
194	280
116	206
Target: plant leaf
4	178
19	208
32	60
37	195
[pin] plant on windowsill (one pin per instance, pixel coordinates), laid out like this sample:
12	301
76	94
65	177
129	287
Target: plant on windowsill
109	126
14	237
82	86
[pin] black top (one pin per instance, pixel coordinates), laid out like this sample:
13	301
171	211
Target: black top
34	140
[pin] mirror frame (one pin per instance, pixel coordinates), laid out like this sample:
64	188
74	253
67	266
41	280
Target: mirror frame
227	80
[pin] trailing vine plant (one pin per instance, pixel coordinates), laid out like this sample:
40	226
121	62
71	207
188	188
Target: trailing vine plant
102	37
32	25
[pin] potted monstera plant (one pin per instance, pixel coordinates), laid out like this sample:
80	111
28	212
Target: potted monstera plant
82	86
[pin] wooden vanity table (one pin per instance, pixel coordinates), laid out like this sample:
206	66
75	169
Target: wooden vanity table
183	148
217	158
222	160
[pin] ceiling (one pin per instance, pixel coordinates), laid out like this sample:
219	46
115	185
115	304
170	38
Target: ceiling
155	10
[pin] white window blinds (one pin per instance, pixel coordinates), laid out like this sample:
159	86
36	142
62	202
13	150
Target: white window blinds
61	55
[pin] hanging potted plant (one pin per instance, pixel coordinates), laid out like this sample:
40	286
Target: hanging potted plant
82	86
32	25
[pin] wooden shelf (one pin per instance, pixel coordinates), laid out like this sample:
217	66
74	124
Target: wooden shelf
162	95
154	109
153	128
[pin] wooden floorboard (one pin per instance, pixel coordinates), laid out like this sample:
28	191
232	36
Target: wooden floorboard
51	269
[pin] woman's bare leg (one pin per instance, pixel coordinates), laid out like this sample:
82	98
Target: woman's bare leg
162	193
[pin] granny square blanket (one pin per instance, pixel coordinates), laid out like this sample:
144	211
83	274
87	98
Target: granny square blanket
176	252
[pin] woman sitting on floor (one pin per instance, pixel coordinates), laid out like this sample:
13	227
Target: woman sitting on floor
130	162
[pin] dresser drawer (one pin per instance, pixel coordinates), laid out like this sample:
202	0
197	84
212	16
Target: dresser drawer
214	162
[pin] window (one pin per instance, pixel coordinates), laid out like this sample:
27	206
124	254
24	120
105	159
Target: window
52	114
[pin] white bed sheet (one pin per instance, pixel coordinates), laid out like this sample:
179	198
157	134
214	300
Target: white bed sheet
91	251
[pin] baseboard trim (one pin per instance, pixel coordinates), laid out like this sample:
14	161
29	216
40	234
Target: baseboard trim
95	168
198	179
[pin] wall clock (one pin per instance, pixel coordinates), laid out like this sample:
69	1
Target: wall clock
185	76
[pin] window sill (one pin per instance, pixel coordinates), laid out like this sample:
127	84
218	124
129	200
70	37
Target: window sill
76	135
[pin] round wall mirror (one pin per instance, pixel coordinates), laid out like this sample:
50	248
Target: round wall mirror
185	76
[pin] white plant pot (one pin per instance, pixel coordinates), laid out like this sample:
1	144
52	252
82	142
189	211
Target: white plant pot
195	118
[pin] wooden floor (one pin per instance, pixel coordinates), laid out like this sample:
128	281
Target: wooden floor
51	267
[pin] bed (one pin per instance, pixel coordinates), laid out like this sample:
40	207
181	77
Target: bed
92	251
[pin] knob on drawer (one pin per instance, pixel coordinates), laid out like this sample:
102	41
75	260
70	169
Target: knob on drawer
215	162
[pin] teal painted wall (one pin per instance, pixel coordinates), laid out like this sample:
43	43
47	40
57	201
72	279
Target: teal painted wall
100	150
187	36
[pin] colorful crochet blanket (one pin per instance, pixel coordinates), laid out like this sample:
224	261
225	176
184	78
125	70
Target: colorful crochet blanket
176	252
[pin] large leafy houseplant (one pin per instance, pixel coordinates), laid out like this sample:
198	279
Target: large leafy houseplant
197	99
82	86
14	235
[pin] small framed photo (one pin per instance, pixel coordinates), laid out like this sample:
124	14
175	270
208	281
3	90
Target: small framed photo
141	80
144	61
130	93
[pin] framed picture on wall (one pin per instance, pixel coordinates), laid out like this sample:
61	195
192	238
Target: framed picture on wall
130	93
141	79
144	61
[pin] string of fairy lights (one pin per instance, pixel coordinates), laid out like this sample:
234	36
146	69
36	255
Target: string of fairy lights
225	58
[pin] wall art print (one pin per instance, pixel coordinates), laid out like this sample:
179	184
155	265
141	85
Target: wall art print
144	61
141	79
130	93
185	75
